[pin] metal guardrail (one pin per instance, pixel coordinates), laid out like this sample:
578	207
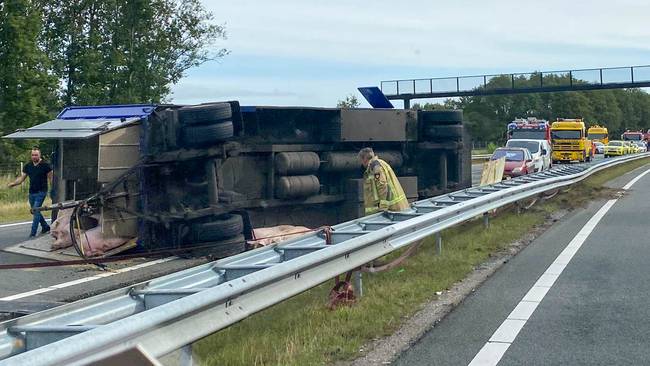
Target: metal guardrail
170	312
481	156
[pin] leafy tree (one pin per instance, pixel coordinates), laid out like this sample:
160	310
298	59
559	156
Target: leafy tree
447	104
130	51
350	101
27	88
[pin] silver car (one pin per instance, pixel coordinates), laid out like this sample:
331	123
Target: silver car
600	147
642	146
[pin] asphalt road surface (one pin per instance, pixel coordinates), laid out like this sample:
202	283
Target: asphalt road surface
32	288
578	295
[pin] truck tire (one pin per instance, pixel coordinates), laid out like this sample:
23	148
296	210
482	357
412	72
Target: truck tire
448	117
296	163
223	227
207	134
444	132
203	114
222	248
297	186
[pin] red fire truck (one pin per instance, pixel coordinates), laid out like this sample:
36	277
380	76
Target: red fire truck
529	128
635	136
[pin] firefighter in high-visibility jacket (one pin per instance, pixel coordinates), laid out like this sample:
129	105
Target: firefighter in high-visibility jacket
381	189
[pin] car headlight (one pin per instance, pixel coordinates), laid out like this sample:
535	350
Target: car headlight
516	170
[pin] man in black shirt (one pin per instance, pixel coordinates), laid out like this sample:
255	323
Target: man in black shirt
39	173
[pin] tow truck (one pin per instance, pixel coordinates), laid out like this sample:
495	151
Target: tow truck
569	141
598	133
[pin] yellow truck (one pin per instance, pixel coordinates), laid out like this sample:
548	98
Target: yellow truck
569	141
598	133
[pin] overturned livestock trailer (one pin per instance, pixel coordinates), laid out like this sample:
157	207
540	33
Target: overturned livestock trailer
206	174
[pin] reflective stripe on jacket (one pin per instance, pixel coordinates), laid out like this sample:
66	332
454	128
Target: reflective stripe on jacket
381	189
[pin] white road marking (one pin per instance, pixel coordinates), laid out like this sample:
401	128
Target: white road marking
49	221
498	344
507	332
490	352
631	183
85	279
523	310
15	224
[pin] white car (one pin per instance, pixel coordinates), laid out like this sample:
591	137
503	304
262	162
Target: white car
600	147
540	150
641	146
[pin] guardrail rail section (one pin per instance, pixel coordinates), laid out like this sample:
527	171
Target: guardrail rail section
170	312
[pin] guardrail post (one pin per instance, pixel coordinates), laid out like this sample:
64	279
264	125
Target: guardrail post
358	283
486	220
438	243
186	358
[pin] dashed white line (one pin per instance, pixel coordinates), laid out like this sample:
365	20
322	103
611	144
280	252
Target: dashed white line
498	344
85	279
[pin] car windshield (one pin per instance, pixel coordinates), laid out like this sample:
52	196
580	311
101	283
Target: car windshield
528	134
566	134
532	146
597	143
598	136
510	155
632	137
615	143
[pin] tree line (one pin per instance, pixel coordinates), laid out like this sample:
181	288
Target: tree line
54	54
487	116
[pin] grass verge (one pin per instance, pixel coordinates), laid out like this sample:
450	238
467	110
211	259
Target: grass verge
13	202
301	331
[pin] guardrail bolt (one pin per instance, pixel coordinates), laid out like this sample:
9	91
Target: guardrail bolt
438	244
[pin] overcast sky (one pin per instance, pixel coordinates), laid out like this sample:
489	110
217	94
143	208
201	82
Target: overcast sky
290	52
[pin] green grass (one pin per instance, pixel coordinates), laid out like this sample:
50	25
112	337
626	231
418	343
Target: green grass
13	201
301	331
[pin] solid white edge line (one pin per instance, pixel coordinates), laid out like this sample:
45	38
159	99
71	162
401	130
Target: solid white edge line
26	294
85	279
494	349
20	223
636	179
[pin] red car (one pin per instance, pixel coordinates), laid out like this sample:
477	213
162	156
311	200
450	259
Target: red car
518	161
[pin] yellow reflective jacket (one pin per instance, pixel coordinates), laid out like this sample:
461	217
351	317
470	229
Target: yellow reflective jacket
381	189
